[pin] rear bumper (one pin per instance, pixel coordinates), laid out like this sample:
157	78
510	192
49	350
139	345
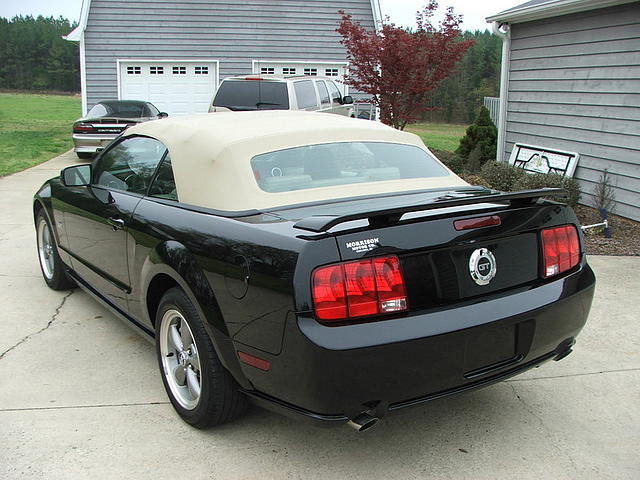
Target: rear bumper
90	143
331	374
380	410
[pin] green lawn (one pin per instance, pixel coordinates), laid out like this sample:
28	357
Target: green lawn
34	128
439	136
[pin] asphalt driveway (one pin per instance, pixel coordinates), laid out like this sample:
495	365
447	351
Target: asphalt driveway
80	396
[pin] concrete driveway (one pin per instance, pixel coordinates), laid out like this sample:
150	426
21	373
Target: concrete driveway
81	397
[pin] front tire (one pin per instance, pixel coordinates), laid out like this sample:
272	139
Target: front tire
200	389
53	270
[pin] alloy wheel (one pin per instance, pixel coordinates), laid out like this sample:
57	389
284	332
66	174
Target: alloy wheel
46	249
180	359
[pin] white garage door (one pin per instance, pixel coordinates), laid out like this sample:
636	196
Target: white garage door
335	70
175	87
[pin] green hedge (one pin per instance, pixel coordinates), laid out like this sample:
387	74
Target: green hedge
454	162
505	177
501	175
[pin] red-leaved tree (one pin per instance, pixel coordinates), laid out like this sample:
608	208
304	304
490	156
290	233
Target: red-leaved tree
398	67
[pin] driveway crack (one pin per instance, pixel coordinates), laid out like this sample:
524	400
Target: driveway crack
49	323
549	434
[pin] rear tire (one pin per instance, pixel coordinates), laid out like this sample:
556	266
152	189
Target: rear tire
200	389
53	270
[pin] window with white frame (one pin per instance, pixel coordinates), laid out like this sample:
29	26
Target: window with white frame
153	70
179	70
267	70
311	71
201	70
288	71
331	72
134	70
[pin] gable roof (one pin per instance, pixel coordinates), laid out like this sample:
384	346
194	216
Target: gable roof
538	9
76	34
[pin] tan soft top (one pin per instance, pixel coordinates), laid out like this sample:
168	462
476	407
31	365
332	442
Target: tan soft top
211	154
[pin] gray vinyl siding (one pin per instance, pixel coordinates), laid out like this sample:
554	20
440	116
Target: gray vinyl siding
232	32
574	84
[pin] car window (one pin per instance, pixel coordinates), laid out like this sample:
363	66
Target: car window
323	92
129	165
164	185
336	97
153	111
252	95
305	94
98	110
342	163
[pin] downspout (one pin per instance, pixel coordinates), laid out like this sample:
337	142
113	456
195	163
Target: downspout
83	76
504	32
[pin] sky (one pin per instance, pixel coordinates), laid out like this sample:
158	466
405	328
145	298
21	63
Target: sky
401	12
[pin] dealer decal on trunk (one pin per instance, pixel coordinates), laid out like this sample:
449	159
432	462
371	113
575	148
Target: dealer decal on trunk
360	246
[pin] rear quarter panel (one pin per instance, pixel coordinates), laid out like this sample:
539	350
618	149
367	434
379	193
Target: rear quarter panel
241	272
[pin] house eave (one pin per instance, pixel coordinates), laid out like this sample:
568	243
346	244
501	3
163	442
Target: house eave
553	8
76	34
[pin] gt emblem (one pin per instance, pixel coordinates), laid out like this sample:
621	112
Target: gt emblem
482	266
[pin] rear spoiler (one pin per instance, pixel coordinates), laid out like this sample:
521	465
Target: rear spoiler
322	223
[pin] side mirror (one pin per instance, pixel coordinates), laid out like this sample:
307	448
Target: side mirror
163	115
76	176
347	100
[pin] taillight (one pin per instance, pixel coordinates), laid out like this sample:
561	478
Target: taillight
560	249
358	289
82	127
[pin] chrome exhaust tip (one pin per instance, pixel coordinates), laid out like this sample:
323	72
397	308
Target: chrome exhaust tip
363	422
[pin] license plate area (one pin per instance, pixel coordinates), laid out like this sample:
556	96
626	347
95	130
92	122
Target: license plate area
493	348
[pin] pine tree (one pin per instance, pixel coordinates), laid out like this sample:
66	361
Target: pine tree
482	134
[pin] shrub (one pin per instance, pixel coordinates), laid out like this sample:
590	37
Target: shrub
603	194
501	175
450	159
482	133
474	160
550	180
508	178
476	180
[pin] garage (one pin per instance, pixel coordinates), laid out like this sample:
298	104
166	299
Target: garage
335	70
178	87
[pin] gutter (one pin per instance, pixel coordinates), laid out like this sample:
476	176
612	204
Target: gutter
377	15
552	8
503	30
77	35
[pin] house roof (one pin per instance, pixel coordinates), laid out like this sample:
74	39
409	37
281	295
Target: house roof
538	9
76	34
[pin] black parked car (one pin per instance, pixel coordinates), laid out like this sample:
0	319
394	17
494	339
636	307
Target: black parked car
318	265
106	120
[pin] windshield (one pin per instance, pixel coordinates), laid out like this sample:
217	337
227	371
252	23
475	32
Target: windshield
252	95
332	164
119	109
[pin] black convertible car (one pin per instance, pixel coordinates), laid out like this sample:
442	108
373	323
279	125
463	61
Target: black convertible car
325	267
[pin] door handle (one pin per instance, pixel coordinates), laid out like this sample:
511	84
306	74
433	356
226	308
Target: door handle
116	223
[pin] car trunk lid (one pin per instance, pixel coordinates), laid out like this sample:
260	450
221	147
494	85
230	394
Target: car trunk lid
111	125
436	253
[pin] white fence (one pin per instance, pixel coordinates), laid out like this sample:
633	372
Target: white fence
493	105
